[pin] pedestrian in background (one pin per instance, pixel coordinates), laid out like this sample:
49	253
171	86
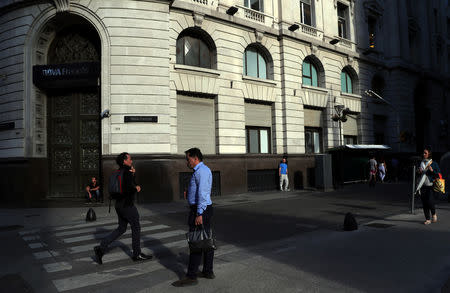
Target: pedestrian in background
431	170
382	170
127	212
283	173
394	169
93	190
372	171
201	213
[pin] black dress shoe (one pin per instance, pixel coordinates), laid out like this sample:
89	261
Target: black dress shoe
209	275
185	282
141	257
99	254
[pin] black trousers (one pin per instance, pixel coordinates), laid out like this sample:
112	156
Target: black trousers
426	195
195	258
126	215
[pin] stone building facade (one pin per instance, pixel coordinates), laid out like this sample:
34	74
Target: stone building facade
246	81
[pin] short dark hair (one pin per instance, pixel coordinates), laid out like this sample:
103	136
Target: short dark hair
430	154
194	152
120	158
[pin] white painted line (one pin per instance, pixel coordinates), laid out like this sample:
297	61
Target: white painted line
121	255
29	232
102	235
57	267
45	254
32	237
95	278
36	245
128	240
285	249
93	229
84	225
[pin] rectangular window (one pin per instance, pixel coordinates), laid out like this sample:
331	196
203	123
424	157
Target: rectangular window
251	63
258	140
191	51
313	140
306	73
254	4
305	12
350	139
342	20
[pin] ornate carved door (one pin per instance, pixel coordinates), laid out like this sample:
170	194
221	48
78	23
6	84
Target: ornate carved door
73	141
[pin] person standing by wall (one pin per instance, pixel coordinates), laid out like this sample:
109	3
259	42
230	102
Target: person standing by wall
431	170
201	213
382	170
372	171
127	212
283	173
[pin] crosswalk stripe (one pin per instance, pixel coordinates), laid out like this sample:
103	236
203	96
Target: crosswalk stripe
101	235
89	230
96	278
45	254
57	267
84	225
32	237
128	240
21	233
36	245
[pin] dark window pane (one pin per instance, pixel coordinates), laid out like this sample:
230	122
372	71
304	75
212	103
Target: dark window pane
305	13
308	142
205	56
349	84
191	51
253	141
254	4
246	3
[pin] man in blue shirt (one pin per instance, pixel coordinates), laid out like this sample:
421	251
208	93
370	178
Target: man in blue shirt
201	212
283	172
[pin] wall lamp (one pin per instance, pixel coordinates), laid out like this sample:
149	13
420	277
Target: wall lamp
293	27
371	93
341	113
232	10
334	41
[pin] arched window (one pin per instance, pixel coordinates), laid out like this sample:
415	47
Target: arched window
346	82
309	73
193	51
255	64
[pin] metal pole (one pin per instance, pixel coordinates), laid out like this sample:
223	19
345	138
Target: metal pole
413	189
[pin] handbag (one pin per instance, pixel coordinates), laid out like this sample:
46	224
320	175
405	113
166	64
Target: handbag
201	239
439	184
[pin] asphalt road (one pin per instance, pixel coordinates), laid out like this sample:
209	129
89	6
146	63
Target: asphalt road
283	242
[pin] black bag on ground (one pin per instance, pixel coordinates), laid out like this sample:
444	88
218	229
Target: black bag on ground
115	184
350	223
90	216
201	239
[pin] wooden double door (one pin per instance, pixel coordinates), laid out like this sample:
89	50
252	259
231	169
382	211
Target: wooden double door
73	141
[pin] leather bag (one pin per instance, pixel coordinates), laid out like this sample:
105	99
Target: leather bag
201	239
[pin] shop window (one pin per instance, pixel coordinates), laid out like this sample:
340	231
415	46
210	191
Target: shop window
255	64
313	140
257	5
306	12
258	140
346	82
343	21
309	72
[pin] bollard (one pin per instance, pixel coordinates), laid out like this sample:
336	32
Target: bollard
350	223
90	216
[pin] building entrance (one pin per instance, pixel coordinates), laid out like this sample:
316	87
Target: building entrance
73	141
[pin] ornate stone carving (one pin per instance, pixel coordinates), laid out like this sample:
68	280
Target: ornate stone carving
259	36
350	60
72	48
62	5
198	19
314	49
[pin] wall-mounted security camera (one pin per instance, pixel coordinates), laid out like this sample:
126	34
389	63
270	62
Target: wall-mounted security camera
105	114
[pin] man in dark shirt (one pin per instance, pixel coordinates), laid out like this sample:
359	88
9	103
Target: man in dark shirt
126	212
93	190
